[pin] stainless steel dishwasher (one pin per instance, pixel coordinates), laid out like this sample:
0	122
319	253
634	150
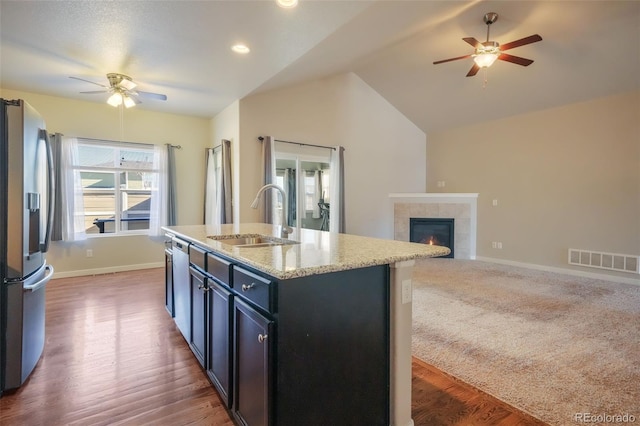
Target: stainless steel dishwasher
181	287
168	271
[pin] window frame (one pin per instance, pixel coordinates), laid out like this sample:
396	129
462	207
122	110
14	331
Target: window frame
117	171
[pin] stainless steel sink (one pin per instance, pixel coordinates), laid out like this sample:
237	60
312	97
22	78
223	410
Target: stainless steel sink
253	240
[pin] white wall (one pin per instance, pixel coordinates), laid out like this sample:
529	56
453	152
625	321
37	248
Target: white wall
384	151
99	120
226	125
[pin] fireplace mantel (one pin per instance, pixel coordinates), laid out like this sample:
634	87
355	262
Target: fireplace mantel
463	207
436	196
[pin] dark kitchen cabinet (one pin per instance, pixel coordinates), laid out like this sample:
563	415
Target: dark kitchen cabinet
199	302
312	350
252	362
220	340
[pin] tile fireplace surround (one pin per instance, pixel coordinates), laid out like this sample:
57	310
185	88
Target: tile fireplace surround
463	208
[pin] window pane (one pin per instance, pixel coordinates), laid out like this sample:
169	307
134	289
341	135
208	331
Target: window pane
140	160
308	192
98	180
95	156
98	189
136	206
136	180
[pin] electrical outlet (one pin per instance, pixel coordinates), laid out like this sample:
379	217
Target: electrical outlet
406	291
440	184
500	245
494	244
495	203
89	253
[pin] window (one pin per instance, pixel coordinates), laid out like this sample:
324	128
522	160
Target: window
117	181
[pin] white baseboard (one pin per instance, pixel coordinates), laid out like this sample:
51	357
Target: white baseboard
606	277
109	270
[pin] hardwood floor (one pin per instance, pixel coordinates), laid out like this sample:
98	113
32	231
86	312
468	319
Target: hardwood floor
113	356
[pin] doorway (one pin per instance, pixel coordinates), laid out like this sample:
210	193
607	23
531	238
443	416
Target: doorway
304	172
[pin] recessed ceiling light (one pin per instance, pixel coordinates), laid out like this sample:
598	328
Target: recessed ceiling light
240	48
287	4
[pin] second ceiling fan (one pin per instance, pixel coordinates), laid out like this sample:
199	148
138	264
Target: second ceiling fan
486	53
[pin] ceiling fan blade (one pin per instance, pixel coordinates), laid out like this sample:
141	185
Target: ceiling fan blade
527	40
515	59
91	92
451	59
149	95
89	81
472	41
474	70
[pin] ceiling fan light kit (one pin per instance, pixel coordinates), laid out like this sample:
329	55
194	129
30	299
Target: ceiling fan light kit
287	4
485	54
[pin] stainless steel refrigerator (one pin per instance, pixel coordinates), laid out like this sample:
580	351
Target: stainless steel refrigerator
26	213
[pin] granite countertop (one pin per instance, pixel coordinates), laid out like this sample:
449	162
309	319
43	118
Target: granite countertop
318	252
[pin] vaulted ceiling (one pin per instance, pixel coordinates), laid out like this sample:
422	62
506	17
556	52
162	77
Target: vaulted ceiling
182	49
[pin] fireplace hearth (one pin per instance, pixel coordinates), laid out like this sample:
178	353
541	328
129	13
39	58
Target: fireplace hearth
433	231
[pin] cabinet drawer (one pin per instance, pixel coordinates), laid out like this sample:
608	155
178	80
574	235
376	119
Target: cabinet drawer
197	256
218	268
256	289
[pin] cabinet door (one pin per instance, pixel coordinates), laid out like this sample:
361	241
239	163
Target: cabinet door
197	341
220	327
253	334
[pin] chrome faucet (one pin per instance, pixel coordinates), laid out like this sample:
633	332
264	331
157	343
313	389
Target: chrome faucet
286	229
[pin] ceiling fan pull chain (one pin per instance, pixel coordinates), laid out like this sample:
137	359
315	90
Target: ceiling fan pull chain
121	111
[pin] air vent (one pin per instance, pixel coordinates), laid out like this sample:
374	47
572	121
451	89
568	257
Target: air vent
601	260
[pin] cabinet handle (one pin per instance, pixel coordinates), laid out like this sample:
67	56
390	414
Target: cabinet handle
262	337
248	287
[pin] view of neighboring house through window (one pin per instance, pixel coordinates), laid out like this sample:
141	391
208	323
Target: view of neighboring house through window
117	182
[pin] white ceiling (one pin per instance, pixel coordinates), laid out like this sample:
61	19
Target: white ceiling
182	49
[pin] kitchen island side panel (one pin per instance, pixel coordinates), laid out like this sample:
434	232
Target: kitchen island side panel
333	349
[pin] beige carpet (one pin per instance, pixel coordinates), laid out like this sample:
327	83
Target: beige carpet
552	345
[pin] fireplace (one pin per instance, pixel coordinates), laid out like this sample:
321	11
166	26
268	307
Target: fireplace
435	231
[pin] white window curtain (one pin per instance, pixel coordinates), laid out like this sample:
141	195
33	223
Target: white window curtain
159	211
212	194
317	193
269	209
70	193
336	218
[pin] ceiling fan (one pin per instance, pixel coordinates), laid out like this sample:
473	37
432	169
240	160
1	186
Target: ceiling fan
122	90
486	53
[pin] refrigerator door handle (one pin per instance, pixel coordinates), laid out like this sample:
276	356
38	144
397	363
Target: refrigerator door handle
38	285
44	247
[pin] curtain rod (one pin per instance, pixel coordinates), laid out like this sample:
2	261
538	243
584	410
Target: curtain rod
215	148
126	142
260	138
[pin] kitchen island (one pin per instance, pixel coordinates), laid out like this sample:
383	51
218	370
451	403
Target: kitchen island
313	330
